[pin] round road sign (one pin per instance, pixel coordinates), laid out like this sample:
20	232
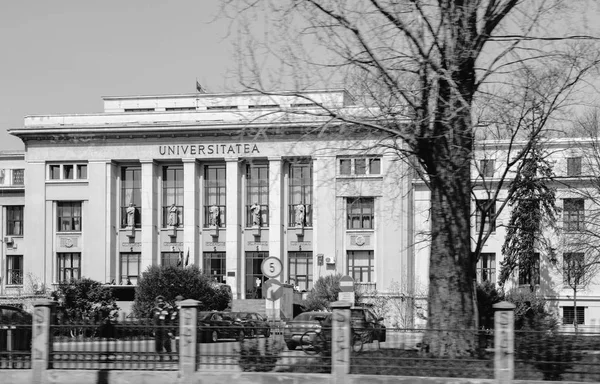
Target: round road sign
272	289
271	267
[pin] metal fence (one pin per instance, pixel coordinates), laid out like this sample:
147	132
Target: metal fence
15	345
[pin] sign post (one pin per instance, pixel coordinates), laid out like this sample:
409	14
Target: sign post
346	289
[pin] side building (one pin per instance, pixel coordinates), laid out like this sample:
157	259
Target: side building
220	181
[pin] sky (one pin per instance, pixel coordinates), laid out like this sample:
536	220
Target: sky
63	56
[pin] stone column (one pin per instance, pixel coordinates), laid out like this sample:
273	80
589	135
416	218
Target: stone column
191	223
149	215
41	343
504	342
188	339
232	221
276	208
340	341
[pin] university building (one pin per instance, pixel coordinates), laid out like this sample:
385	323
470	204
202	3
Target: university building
223	181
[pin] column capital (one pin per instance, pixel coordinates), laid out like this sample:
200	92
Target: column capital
148	161
275	158
189	160
231	159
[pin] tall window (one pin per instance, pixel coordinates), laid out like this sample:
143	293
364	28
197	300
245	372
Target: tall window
300	194
574	166
14	220
485	210
300	265
530	276
254	277
69	267
214	195
360	213
257	194
131	193
130	268
69	216
361	266
570	314
486	268
486	167
573	214
172	259
14	269
214	266
573	270
172	196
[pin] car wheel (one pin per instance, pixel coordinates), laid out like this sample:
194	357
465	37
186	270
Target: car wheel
267	332
241	336
291	346
252	333
214	336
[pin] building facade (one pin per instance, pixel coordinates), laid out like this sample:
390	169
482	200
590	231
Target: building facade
219	181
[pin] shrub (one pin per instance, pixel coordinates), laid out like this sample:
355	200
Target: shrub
172	281
487	296
259	357
531	312
325	291
85	300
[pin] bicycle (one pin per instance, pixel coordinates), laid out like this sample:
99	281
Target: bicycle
314	342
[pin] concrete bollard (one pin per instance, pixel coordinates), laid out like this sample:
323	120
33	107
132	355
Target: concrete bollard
504	342
40	345
340	341
188	338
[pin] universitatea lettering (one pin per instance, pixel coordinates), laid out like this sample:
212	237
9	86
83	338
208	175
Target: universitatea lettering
208	149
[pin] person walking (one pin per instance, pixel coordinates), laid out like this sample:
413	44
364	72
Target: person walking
161	315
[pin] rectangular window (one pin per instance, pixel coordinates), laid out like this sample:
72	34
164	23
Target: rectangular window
18	177
486	167
69	267
574	166
172	259
14	269
68	171
485	210
486	268
214	266
81	171
531	276
131	197
573	268
54	173
130	268
573	214
254	277
569	315
69	216
14	220
214	195
300	267
300	195
360	266
172	192
257	195
359	166
360	213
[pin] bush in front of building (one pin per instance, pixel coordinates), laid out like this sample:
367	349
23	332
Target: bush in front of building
85	300
170	282
325	291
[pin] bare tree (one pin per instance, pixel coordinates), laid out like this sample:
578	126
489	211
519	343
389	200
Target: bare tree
427	74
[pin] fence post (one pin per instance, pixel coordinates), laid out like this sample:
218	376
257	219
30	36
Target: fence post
188	344
40	344
504	342
340	341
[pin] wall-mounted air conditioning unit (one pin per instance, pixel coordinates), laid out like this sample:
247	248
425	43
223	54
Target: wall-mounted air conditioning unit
8	240
329	260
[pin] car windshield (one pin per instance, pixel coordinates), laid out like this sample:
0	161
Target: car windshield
204	315
243	315
311	316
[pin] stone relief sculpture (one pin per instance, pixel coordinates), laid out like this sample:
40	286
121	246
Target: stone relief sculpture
255	210
214	215
299	215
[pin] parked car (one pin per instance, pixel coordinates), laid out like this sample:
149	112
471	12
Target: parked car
295	328
17	323
254	323
220	325
364	322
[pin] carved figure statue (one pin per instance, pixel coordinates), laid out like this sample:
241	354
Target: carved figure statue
131	215
172	220
255	210
214	215
299	215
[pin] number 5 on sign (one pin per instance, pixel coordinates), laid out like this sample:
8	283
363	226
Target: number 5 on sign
271	267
